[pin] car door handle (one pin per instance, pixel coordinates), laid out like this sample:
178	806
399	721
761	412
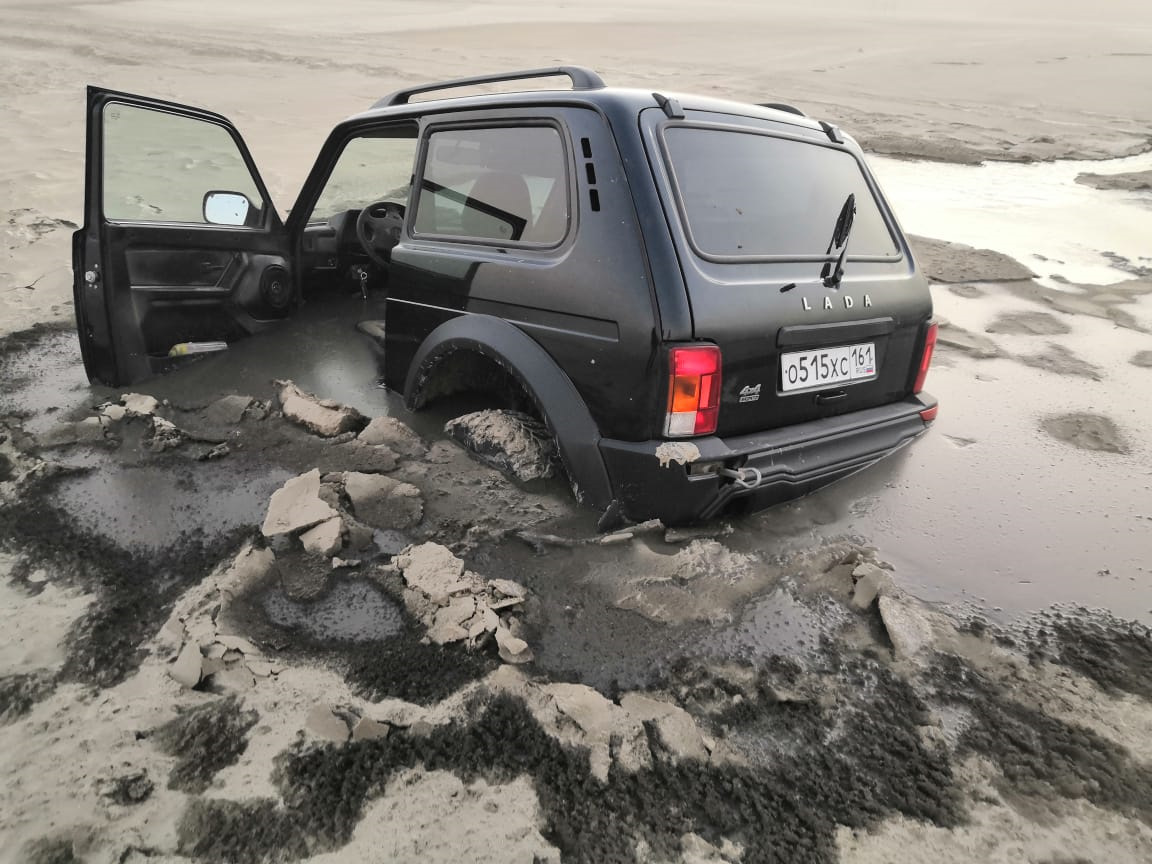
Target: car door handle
825	398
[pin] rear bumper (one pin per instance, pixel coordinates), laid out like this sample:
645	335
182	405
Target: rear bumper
788	462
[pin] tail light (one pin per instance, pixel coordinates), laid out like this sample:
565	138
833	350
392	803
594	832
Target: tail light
693	391
925	358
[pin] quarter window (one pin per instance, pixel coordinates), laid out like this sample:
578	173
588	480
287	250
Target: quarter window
505	185
158	167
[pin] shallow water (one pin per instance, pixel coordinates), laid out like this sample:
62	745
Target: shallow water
987	510
143	508
351	611
1027	211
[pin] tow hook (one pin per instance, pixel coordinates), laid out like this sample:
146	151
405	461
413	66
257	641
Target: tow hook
745	478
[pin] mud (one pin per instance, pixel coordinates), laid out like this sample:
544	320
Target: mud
1086	431
1132	181
968	292
1100	301
134	589
1039	756
49	850
1133	267
509	441
942	261
1143	359
204	740
1116	654
1060	360
18	693
1028	324
878	766
974	345
351	611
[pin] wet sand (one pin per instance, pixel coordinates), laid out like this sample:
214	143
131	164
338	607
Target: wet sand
1023	726
988	80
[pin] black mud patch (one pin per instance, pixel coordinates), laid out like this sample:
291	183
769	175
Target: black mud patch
1038	755
785	809
1028	324
49	850
1116	654
404	668
134	590
5	468
1086	431
1142	359
23	340
18	693
204	740
1056	358
128	789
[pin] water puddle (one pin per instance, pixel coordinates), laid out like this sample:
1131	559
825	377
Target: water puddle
143	508
1027	211
351	611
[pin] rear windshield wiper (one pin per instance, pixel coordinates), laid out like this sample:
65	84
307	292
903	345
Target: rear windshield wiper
839	245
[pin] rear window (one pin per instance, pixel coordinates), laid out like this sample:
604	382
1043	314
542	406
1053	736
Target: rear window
751	195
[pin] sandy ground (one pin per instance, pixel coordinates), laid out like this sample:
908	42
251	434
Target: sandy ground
744	708
1009	81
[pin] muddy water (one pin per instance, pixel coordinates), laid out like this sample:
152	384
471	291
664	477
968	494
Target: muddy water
350	612
988	509
1036	213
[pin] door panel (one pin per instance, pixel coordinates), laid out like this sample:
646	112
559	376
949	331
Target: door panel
151	271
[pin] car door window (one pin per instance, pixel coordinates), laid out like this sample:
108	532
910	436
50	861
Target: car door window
159	167
505	185
376	166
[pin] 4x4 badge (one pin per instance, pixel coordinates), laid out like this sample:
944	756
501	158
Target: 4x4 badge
848	302
750	393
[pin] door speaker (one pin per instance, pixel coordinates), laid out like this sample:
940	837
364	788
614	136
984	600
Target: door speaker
276	288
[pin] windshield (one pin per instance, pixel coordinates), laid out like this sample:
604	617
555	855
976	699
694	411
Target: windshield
372	167
751	195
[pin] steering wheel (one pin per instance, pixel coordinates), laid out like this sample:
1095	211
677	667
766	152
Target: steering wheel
378	229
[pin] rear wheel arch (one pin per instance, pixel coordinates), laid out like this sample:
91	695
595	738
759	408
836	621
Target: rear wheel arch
533	370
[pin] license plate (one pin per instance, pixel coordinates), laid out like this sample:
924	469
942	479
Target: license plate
804	370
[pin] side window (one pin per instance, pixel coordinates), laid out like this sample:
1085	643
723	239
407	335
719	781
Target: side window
373	167
505	184
161	167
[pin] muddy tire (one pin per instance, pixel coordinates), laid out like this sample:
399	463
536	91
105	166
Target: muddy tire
512	442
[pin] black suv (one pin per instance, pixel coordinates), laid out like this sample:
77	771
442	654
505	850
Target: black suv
709	304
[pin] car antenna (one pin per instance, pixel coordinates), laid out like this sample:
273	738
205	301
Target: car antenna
669	105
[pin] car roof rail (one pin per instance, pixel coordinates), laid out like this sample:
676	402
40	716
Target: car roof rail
782	106
582	79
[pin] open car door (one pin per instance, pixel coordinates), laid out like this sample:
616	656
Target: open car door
181	251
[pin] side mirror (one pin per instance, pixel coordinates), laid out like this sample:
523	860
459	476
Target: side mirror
229	208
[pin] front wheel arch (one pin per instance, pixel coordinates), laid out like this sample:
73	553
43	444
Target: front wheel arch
552	392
